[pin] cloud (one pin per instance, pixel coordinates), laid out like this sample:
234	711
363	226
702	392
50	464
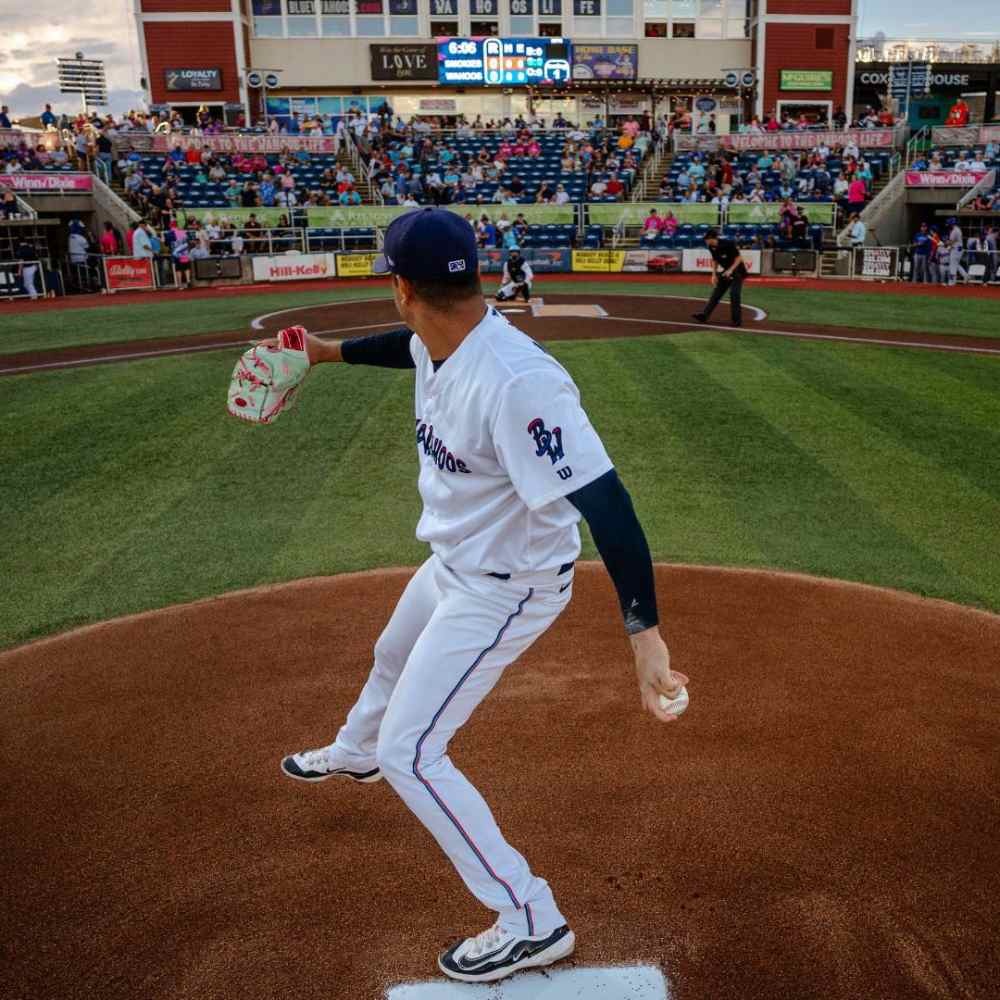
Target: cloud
36	33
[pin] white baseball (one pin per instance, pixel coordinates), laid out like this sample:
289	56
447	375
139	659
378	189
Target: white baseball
676	705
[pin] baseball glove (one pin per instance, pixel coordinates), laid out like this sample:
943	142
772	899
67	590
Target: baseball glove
266	379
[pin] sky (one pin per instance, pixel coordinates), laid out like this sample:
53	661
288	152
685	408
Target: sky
34	33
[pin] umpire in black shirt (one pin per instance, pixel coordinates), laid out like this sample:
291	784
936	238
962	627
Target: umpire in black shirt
728	273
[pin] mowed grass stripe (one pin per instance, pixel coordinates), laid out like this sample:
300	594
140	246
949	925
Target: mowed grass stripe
948	424
171	316
676	493
364	506
797	512
935	508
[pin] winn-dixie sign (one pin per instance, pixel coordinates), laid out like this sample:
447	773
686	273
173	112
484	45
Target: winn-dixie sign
244	143
294	267
42	182
942	178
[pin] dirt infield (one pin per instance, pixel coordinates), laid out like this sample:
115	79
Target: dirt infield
623	316
822	823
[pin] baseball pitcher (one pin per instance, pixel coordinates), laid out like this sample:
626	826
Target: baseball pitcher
508	464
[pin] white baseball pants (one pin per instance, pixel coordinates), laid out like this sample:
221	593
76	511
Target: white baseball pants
445	647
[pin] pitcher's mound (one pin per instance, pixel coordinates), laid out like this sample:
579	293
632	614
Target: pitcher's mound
820	823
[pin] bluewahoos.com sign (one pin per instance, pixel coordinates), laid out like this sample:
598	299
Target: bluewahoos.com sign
193	79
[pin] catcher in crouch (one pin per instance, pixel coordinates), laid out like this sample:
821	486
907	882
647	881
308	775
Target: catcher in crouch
517	278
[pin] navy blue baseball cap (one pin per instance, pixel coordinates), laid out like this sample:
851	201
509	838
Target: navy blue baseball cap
429	244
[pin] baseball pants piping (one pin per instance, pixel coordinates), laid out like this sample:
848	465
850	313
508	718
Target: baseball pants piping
446	645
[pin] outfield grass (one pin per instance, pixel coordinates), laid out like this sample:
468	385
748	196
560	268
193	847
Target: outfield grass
175	316
136	490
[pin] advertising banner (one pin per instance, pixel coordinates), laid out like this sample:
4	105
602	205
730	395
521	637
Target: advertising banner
355	265
941	178
634	213
128	273
554	261
665	261
605	62
11	138
864	138
989	133
701	260
232	218
877	262
491	261
819	212
598	260
360	216
955	135
806	79
294	267
404	62
503	62
536	215
40	183
163	143
193	79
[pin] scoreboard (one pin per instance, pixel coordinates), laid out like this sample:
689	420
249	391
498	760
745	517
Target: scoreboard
503	62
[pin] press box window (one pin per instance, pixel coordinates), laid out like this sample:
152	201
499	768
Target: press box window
551	30
683	29
267	18
484	28
336	17
656	29
444	29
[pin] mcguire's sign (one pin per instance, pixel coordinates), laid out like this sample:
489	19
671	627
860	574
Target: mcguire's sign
404	62
193	79
806	79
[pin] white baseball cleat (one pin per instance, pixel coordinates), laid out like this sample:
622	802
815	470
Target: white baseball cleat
327	762
497	953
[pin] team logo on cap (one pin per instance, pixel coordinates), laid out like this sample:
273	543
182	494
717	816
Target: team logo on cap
455	266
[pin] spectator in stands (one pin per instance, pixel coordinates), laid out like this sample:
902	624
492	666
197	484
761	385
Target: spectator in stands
109	241
9	207
920	256
520	227
561	197
857	232
142	241
789	213
977	165
349	196
652	225
5	117
248	195
614	187
856	196
958	115
598	188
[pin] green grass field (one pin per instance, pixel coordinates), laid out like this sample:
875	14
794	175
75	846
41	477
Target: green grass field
128	487
173	316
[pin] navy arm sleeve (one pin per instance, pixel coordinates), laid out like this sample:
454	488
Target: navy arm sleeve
385	350
607	509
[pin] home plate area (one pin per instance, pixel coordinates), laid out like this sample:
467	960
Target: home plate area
552	317
627	982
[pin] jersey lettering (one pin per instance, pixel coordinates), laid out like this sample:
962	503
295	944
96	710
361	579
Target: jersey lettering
435	448
546	442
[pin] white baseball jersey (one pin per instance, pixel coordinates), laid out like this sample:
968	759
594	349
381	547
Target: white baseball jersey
501	439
